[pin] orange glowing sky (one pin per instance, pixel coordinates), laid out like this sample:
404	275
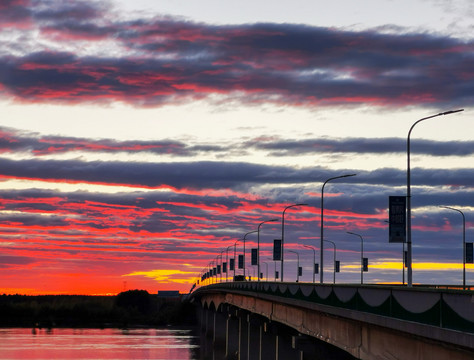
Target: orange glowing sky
140	140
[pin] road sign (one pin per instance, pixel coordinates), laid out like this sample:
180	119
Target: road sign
365	264
469	253
231	264
241	262
277	249
254	257
397	206
338	266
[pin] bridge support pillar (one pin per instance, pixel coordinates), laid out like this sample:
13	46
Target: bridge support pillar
232	336
207	331
268	342
309	348
243	336
219	336
254	337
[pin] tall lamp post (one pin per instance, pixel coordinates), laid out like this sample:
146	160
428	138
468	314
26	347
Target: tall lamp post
235	260
245	236
314	260
361	256
227	261
266	269
222	264
322	223
334	267
258	245
409	249
463	244
297	265
283	234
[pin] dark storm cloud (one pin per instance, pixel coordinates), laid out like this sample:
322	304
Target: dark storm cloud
12	261
168	60
14	12
12	141
362	145
214	175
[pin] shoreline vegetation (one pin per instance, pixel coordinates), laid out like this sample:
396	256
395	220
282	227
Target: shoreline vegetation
133	308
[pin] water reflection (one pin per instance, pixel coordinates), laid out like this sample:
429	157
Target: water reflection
98	344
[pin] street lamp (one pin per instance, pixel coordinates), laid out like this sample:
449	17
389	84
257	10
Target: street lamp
403	258
322	223
463	244
245	236
297	265
222	265
275	270
283	234
334	268
235	260
227	260
361	256
409	250
266	269
217	268
258	245
314	259
211	272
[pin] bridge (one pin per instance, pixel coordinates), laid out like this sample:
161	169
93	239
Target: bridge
273	320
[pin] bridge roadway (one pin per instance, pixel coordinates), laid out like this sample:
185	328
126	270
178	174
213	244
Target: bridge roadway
273	320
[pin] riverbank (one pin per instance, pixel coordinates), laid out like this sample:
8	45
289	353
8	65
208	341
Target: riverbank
132	308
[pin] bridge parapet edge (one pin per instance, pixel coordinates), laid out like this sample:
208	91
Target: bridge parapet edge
443	315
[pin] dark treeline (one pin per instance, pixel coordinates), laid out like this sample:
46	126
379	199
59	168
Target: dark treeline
127	309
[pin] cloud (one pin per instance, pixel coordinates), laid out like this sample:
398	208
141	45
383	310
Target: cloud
14	141
361	145
213	174
166	60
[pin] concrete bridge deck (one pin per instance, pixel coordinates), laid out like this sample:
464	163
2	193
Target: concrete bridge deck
368	322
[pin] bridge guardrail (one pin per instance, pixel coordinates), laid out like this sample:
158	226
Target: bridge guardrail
448	309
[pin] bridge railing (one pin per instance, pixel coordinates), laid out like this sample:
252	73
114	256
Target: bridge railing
450	309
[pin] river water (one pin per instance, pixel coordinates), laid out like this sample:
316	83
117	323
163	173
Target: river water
166	344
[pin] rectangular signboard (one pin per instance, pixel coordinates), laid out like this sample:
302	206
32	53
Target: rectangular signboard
254	257
224	267
218	269
277	249
316	268
241	262
397	206
300	271
365	264
338	266
469	253
276	274
231	264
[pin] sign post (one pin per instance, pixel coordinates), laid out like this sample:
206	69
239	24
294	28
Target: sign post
276	249
254	257
397	219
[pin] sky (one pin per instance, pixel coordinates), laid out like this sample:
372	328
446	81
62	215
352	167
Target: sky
140	140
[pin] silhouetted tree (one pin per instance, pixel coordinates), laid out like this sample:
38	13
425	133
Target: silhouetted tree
134	299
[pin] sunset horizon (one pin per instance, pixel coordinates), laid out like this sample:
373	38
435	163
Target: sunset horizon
140	141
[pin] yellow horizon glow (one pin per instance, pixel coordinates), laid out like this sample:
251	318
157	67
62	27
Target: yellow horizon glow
165	275
423	266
